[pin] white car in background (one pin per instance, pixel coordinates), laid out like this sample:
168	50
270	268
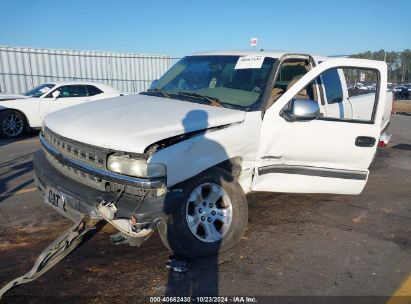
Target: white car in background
18	115
362	87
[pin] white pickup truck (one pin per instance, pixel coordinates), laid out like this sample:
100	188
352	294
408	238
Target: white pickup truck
182	156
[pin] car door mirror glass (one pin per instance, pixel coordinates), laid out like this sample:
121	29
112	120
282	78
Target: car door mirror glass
301	109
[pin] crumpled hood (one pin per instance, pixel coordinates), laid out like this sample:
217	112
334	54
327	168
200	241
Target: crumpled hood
131	123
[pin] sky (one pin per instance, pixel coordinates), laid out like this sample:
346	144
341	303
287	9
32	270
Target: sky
177	28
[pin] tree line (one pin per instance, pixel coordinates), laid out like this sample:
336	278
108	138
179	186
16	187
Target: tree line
399	63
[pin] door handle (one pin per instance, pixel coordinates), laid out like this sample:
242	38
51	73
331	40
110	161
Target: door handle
365	141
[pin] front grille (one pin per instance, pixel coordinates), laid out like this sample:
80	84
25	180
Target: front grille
87	164
93	156
87	179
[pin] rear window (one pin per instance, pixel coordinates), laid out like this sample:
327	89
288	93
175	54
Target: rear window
92	90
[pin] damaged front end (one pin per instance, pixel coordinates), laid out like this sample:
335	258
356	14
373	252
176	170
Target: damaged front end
78	175
73	180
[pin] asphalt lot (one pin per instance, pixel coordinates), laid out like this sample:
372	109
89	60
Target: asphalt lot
295	245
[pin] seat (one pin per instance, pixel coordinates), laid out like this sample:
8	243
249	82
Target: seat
289	69
276	93
303	93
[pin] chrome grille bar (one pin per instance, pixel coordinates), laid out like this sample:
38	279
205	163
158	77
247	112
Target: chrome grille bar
74	150
85	169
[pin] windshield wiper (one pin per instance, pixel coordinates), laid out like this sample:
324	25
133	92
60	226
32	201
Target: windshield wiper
212	100
158	91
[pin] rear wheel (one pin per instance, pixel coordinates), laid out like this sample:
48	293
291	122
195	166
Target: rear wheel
210	219
12	124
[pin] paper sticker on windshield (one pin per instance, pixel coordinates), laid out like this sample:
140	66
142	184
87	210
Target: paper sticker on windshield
249	62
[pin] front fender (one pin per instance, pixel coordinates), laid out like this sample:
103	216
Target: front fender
197	154
28	107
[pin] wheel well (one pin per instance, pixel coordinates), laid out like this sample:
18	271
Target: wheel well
232	166
20	112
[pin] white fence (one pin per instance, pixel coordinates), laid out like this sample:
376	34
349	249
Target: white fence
23	68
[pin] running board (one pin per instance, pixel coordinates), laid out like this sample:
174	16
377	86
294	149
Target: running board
54	253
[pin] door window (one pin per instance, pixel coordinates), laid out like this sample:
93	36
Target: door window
359	84
291	70
72	91
92	90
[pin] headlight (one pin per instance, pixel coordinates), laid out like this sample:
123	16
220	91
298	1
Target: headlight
124	164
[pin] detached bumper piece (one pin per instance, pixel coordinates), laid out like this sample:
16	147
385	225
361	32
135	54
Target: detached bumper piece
55	252
131	233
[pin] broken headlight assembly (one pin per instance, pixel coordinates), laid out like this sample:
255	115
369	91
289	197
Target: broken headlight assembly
125	164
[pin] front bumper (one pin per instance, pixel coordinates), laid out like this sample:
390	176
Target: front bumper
84	199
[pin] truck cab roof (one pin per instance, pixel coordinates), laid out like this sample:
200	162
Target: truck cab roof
272	54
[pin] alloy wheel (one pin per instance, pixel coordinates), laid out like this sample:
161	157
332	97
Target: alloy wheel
12	124
209	212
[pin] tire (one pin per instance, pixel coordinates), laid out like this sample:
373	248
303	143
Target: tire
12	124
229	216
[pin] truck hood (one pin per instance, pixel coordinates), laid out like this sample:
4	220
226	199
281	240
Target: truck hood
131	123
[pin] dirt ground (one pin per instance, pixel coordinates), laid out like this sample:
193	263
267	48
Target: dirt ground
402	106
303	246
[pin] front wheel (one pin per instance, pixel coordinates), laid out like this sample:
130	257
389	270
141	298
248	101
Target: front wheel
211	218
12	124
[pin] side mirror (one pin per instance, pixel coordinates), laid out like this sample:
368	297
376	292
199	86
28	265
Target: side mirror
300	110
56	94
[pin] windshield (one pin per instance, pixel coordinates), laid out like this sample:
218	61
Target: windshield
39	90
232	81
